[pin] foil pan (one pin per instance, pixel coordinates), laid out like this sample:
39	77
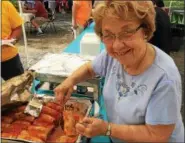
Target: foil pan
60	64
46	99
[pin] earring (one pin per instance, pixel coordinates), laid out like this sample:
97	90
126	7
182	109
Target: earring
145	37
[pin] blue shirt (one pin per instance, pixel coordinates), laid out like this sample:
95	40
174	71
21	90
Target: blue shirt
153	97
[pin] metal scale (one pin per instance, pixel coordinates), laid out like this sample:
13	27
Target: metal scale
95	84
55	68
47	75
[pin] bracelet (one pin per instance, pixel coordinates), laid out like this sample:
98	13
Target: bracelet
108	133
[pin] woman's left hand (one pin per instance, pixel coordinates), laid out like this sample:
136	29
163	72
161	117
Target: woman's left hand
91	127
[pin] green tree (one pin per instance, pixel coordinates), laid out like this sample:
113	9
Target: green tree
15	3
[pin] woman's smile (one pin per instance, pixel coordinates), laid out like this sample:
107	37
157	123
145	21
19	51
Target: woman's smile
122	53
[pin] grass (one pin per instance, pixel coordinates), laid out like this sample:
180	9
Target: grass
175	4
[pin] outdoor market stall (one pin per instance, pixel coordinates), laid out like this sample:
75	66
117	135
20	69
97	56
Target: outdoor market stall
38	117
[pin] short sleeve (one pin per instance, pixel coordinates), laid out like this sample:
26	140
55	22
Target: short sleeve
100	64
14	17
76	2
164	105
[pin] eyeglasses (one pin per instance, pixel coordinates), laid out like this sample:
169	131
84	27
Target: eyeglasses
123	36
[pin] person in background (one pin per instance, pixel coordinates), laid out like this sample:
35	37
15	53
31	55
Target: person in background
70	3
142	89
61	6
93	1
81	12
41	15
11	29
30	3
162	37
46	4
160	3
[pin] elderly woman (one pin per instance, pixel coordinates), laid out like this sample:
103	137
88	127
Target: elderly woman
142	90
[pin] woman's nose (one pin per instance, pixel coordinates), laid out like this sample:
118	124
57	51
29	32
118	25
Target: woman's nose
117	45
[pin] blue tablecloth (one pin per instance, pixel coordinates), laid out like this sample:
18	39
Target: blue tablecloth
74	47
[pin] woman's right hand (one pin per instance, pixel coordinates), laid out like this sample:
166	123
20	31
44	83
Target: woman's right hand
64	90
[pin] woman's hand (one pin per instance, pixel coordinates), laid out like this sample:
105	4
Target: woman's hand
64	90
91	127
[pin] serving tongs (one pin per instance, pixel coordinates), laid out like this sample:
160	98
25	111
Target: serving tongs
92	112
34	107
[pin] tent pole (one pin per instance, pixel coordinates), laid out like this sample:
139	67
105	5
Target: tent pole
24	35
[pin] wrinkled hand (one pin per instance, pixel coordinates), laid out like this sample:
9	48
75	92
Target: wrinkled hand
91	127
64	91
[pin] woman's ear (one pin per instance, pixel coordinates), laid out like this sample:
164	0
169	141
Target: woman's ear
145	33
145	37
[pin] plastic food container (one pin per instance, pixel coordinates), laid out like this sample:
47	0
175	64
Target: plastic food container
90	44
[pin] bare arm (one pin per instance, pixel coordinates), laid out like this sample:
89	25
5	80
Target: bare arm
64	90
142	133
127	133
16	33
30	11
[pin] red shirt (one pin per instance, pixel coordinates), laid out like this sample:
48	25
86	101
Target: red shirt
41	11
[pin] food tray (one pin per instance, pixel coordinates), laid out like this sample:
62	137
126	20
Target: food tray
79	139
60	64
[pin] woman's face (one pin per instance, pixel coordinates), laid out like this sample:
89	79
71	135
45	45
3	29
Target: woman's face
124	40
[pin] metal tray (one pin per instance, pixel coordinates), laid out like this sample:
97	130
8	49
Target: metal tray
92	108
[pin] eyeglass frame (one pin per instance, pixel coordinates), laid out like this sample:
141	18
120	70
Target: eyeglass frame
132	33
